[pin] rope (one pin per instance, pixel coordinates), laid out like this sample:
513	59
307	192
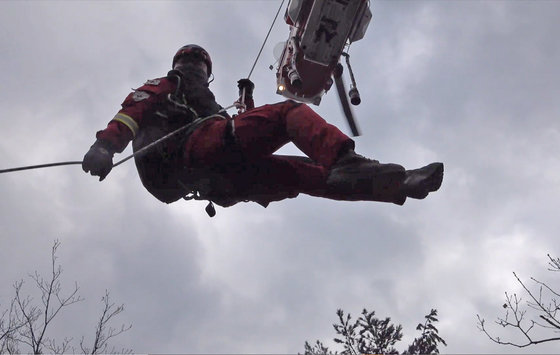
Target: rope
266	39
40	166
191	126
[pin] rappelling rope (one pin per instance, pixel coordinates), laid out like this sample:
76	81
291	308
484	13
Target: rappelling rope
190	127
40	166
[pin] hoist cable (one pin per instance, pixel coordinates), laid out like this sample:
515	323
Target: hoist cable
265	40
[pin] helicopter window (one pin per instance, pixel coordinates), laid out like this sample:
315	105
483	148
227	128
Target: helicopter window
327	27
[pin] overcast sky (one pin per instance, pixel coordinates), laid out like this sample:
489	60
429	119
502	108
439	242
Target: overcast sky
474	84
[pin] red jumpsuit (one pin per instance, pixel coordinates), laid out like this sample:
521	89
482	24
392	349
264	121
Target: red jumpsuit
231	160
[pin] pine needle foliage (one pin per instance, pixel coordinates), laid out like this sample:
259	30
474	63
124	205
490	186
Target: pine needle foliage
371	335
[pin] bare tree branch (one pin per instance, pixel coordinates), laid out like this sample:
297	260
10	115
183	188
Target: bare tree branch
554	263
35	331
102	334
54	348
27	324
9	329
537	302
27	315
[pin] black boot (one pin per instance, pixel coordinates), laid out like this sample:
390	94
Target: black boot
354	177
420	182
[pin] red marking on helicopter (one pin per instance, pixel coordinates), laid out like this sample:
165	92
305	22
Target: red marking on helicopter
319	32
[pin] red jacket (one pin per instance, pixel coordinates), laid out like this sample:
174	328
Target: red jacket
147	115
138	107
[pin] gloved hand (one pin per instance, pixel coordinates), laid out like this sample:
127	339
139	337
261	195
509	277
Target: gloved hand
98	161
247	85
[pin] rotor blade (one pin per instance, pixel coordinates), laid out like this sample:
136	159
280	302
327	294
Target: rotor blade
345	105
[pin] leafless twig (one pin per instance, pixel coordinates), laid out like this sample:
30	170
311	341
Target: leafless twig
26	323
102	333
515	314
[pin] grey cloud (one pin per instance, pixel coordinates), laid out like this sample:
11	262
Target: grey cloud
473	84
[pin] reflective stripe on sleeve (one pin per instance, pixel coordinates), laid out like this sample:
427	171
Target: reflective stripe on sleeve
127	121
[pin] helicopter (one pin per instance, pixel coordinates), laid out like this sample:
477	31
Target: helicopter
320	30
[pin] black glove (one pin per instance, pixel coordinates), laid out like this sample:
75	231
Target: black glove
247	85
99	159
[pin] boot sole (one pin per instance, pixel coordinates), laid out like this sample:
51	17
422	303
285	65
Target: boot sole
432	182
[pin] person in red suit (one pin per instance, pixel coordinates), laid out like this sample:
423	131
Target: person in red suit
227	160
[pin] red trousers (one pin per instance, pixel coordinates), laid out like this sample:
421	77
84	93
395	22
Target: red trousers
245	167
